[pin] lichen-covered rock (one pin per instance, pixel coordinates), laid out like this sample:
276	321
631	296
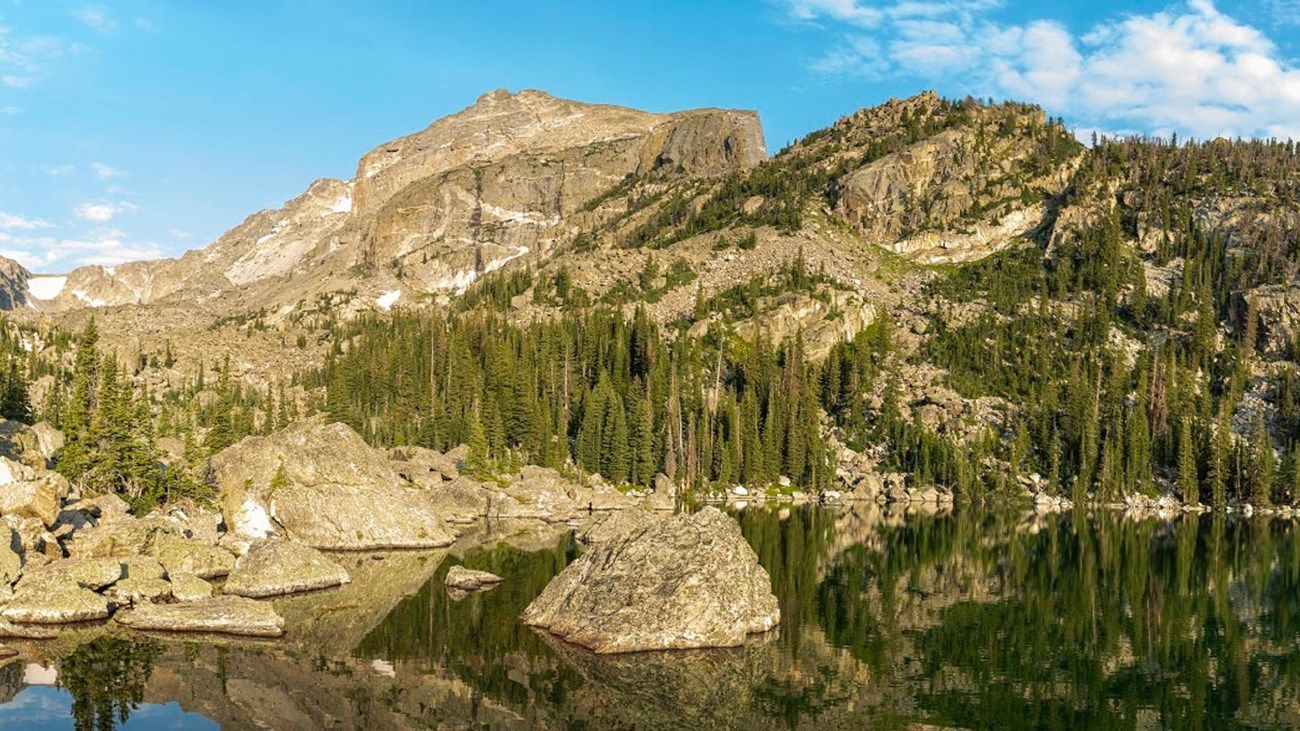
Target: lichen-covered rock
230	615
11	560
119	535
333	491
275	567
188	588
143	579
682	582
91	573
29	493
463	579
180	555
612	525
55	602
33	446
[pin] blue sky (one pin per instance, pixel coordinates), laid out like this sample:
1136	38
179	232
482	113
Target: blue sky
141	128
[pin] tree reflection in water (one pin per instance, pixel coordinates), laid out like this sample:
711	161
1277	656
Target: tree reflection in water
106	678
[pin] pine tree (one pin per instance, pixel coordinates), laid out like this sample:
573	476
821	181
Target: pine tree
1188	481
478	462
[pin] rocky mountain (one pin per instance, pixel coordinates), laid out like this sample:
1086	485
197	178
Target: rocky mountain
428	213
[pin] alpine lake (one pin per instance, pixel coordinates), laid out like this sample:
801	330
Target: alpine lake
974	618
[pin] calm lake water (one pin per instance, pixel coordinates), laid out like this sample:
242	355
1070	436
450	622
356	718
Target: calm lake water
972	619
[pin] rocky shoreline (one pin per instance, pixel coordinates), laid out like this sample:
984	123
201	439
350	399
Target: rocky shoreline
291	501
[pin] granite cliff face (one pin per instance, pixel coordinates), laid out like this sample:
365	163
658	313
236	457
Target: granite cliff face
427	213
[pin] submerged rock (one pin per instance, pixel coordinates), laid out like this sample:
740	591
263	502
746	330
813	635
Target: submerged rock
463	579
274	567
683	582
322	485
230	615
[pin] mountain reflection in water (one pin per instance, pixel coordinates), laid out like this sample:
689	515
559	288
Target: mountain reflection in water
973	619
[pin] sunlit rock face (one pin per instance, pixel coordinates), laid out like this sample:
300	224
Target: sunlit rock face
683	582
505	178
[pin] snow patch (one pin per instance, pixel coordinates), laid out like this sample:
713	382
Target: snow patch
384	668
342	205
46	288
388	299
253	520
91	301
496	264
6	474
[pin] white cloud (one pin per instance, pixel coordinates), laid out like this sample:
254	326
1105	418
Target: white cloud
11	110
51	254
58	171
17	82
10	221
1191	69
96	18
102	211
106	172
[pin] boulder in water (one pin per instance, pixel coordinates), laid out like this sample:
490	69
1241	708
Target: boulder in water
463	579
274	567
683	582
230	615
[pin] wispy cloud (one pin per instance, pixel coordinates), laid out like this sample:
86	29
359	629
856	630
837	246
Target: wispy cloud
58	171
22	58
96	18
1190	69
109	247
107	172
102	211
10	221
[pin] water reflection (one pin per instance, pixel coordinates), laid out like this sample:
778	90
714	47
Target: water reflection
106	678
971	619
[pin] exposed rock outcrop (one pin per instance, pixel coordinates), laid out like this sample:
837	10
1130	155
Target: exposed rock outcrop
683	582
322	485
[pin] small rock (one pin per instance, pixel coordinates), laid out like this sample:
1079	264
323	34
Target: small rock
189	588
230	615
459	577
276	567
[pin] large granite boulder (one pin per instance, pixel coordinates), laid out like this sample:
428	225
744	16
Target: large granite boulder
30	493
117	535
56	603
230	615
33	446
683	582
322	485
11	560
608	526
275	567
180	555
